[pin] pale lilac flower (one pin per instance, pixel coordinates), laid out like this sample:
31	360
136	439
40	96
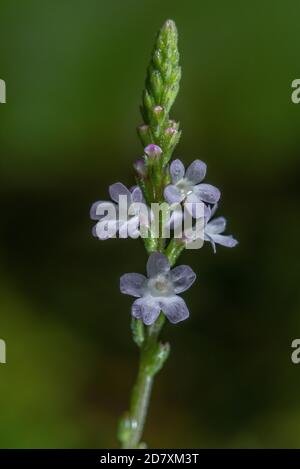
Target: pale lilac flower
109	216
187	187
158	291
214	228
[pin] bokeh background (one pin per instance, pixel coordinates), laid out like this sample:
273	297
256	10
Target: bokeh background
74	71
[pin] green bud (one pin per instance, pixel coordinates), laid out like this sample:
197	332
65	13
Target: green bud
144	132
157	358
169	96
173	140
137	328
156	84
125	428
157	58
149	103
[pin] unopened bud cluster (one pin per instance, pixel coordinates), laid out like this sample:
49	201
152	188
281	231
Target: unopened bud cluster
161	88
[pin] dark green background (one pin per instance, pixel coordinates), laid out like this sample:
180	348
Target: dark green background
74	72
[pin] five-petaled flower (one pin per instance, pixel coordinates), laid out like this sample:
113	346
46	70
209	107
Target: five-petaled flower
110	218
186	186
159	290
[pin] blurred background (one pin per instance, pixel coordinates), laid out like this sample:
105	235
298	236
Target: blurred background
74	72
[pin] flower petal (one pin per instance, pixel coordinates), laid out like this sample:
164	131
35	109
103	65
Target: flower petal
93	210
106	229
213	210
173	195
182	277
213	244
196	171
146	309
133	284
174	308
129	228
208	193
177	171
176	218
216	226
99	209
227	241
136	194
195	206
195	234
157	264
94	232
117	189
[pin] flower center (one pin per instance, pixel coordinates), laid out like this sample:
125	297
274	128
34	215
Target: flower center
160	285
185	187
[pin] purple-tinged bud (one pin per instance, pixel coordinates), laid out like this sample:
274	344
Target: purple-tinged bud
158	109
153	151
140	167
171	131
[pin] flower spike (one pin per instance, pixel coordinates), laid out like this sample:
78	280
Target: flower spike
130	212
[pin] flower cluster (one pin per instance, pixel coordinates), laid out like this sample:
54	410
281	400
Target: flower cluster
162	182
185	191
159	291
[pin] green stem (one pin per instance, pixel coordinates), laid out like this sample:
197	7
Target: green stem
139	406
152	356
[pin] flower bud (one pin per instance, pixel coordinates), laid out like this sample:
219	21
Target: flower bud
172	123
158	115
171	131
140	167
143	129
153	151
158	109
144	133
156	84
